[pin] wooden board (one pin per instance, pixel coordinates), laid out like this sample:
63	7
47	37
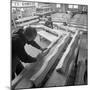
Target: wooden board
28	23
49	61
27	18
52	31
79	26
47	36
63	64
66	28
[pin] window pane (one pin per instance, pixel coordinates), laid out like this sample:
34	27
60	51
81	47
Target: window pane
70	6
58	5
75	6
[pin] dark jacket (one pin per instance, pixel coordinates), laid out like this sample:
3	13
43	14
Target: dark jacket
49	24
18	43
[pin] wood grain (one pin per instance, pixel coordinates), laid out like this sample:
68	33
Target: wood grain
49	61
62	65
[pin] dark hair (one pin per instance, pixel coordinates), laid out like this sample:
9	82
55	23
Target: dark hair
30	32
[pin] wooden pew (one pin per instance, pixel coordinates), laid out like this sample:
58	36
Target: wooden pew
68	56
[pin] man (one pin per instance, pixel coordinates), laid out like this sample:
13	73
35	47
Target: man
49	23
19	39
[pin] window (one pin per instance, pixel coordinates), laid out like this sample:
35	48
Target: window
58	5
75	6
70	6
36	4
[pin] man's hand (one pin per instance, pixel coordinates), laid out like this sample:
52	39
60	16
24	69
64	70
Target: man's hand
43	49
43	53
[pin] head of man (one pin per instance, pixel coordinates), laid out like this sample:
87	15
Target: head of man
30	33
49	18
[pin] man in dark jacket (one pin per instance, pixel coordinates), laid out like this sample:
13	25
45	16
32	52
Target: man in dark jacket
49	23
19	39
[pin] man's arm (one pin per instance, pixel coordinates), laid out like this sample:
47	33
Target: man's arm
33	43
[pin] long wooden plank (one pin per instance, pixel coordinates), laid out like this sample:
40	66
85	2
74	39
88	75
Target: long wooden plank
49	61
79	26
66	28
27	18
63	64
46	29
47	36
50	12
77	23
28	23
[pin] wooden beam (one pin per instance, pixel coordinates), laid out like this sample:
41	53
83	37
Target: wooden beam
29	23
52	31
47	36
27	18
66	28
63	65
79	26
49	61
74	23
